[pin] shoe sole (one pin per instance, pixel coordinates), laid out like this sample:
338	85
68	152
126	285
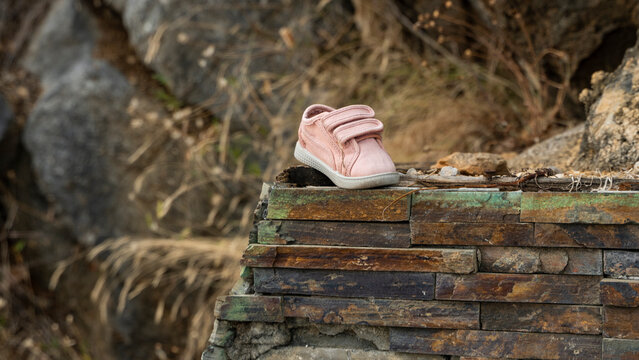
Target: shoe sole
346	182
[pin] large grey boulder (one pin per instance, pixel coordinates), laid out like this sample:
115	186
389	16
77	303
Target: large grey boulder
65	38
78	131
76	142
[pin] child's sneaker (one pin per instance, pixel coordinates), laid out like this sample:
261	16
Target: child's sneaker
346	145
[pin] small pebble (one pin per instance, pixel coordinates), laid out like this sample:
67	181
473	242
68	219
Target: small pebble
448	171
412	172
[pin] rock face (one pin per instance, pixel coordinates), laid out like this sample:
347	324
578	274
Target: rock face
611	137
66	38
187	42
559	151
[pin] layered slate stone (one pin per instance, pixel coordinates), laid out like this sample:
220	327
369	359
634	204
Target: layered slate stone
384	312
618	292
496	344
621	264
466	206
540	260
591	236
588	208
378	284
462	261
543	318
460	273
620	322
331	203
334	233
526	288
473	234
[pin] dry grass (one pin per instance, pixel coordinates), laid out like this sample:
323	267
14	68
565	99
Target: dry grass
427	110
27	329
431	104
495	45
185	276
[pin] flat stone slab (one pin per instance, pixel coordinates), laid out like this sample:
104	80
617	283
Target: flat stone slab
469	234
378	284
619	292
334	233
620	349
621	264
332	203
591	236
383	312
462	261
541	260
588	208
526	288
322	353
542	318
466	206
495	344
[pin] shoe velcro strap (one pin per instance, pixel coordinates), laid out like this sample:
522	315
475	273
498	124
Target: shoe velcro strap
358	128
347	114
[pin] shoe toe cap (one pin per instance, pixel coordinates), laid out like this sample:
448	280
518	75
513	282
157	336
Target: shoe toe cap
372	161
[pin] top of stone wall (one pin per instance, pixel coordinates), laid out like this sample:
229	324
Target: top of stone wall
540	180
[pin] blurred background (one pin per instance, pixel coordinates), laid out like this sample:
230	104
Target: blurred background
135	135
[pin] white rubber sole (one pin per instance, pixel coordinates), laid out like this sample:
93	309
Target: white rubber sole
346	182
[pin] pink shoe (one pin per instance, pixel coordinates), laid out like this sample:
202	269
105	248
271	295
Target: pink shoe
346	145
